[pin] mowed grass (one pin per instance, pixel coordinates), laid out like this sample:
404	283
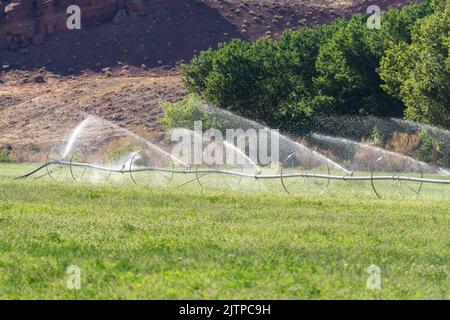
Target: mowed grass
155	243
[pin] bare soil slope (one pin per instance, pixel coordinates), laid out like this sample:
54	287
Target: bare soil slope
43	114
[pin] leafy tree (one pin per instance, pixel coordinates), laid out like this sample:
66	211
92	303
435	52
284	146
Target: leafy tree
419	73
249	79
301	49
196	73
184	113
397	25
348	81
329	70
265	81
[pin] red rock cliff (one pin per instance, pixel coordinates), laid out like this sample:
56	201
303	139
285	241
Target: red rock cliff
28	21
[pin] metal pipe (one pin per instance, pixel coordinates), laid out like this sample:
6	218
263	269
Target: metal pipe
256	176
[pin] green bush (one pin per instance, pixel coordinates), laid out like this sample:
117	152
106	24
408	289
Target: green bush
347	79
419	73
267	81
328	70
33	147
434	148
184	113
195	74
377	136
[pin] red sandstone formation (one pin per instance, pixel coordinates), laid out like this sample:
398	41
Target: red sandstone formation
168	33
28	21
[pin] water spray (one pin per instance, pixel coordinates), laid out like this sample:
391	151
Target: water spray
318	176
303	170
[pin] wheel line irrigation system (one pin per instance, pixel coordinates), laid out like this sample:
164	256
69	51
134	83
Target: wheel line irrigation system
199	172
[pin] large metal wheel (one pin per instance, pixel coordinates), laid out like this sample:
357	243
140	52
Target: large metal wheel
90	164
212	177
102	164
78	163
304	184
386	178
56	168
144	172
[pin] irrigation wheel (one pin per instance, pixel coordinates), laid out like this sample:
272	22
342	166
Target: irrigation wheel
211	177
56	168
98	164
78	163
144	171
304	184
99	157
394	186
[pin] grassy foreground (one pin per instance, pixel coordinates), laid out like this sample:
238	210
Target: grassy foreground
137	242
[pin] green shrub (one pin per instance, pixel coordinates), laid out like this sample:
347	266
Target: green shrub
434	148
6	157
328	70
195	74
377	136
120	148
419	73
267	81
184	113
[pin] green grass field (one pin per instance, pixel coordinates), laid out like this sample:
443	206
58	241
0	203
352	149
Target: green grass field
159	243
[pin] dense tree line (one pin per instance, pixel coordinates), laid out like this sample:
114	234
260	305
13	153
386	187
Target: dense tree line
418	72
402	69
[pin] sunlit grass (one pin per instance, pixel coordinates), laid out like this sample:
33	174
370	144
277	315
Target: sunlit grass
257	242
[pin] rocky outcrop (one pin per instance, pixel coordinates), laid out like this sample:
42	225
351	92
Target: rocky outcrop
25	22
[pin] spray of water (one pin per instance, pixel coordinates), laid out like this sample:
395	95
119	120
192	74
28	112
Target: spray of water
227	146
102	124
94	128
359	127
147	143
129	158
287	145
419	126
239	152
75	134
339	142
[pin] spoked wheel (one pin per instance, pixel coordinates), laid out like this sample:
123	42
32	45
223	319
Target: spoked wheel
307	184
78	164
91	164
212	177
392	182
207	177
57	169
144	172
102	164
